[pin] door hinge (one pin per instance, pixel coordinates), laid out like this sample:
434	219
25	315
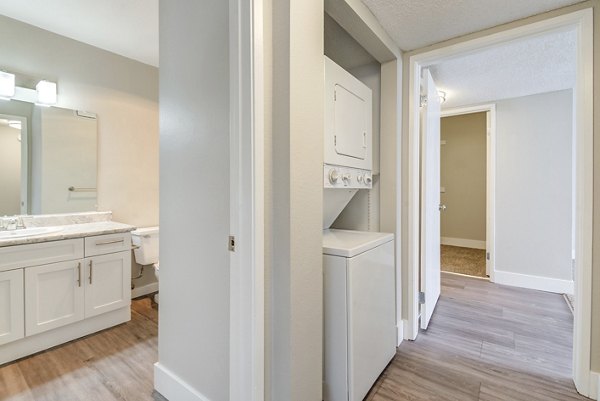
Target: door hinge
423	101
421	297
487	256
335	96
335	140
231	243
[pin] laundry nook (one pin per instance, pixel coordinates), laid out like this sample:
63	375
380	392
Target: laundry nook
358	266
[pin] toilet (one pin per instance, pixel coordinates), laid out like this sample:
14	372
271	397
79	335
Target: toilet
145	241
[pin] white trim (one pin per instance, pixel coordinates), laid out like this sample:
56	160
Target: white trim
594	385
535	282
172	387
144	290
462	242
399	333
25	165
247	356
583	21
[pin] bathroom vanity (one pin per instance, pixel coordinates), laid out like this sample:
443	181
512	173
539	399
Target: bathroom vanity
68	282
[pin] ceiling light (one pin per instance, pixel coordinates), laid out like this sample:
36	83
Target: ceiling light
46	93
7	85
442	96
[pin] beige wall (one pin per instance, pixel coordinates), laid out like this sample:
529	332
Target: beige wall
463	176
596	230
123	93
10	171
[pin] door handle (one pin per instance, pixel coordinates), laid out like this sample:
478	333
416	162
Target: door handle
91	271
79	274
441	207
117	241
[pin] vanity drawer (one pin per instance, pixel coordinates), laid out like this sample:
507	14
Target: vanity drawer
19	256
110	243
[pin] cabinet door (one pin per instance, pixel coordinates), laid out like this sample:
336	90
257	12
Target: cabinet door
53	296
107	283
12	311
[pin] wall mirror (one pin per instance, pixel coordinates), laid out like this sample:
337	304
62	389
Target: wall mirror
48	159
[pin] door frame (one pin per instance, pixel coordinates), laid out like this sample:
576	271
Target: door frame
582	20
490	188
247	291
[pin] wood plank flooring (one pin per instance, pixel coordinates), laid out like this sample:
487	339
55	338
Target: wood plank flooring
486	342
113	365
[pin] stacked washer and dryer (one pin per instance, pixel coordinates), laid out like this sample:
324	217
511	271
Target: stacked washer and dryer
359	276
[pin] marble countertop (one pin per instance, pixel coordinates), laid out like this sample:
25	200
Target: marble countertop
70	231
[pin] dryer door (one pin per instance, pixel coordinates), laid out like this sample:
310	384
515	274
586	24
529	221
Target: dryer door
350	123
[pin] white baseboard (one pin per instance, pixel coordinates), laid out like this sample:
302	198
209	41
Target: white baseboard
144	290
173	387
464	243
534	282
594	385
400	333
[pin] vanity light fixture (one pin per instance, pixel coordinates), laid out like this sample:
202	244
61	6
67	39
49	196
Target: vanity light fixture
46	93
7	85
14	124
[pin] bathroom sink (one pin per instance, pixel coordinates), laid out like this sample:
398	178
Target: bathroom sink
28	232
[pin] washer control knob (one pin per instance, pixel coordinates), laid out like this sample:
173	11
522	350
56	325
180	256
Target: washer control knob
368	179
346	177
334	176
359	178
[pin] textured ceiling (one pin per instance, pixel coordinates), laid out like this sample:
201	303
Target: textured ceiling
534	65
415	24
125	27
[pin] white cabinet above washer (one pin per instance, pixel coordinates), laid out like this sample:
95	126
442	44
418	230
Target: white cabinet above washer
348	119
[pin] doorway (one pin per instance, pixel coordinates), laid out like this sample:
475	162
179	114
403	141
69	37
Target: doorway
467	147
582	23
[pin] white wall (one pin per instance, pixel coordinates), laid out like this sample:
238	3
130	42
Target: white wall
294	198
194	337
10	171
534	186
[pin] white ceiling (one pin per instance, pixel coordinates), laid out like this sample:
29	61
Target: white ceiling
415	24
534	65
125	27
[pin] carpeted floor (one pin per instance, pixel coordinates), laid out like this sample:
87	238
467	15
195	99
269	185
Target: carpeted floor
467	261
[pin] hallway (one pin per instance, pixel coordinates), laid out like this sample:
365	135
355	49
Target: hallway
486	342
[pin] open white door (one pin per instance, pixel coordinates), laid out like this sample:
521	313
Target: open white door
430	198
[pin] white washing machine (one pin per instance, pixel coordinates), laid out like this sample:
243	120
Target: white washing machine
359	311
359	277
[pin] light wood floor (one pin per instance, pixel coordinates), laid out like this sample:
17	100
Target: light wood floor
486	342
113	365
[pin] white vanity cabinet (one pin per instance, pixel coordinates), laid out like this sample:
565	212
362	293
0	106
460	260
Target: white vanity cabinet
107	283
54	296
12	317
57	291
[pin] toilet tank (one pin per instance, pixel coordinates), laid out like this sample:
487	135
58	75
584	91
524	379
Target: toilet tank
146	239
